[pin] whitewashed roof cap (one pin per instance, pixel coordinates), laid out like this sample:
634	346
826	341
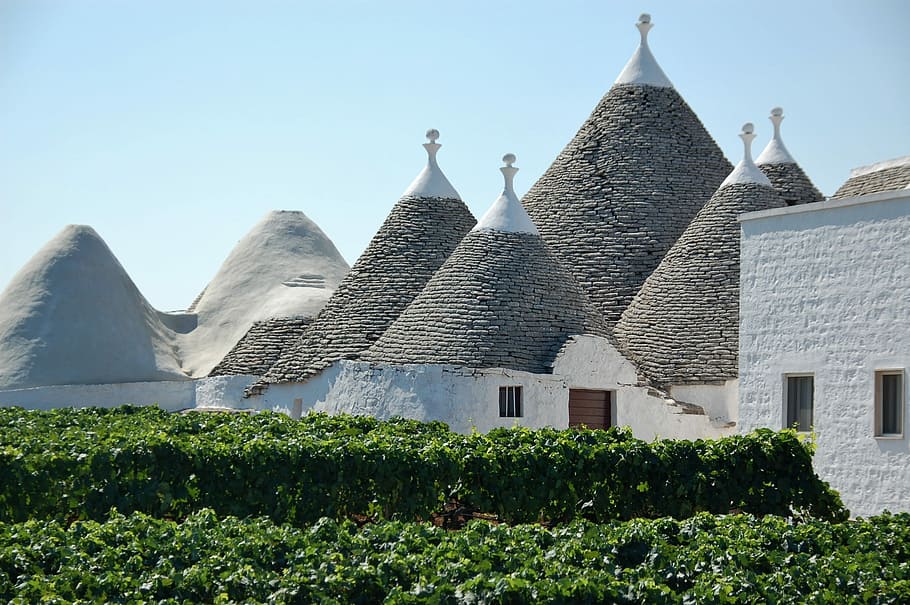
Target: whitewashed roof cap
746	171
642	68
507	214
431	182
775	152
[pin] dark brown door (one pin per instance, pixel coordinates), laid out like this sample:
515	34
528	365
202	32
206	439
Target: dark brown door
590	408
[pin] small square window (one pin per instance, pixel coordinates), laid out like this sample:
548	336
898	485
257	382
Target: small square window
510	402
800	402
889	403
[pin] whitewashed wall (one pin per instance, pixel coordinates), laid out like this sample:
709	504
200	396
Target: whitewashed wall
826	289
468	399
172	396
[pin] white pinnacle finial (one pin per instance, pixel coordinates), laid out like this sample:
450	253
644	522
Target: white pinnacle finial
507	213
644	25
432	147
776	117
775	152
642	68
431	182
748	135
746	171
509	171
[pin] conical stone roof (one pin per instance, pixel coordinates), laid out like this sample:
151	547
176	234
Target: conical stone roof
890	175
422	230
627	185
72	315
782	170
284	266
683	326
501	300
261	346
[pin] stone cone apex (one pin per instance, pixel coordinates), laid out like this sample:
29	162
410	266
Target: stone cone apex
501	300
683	325
624	188
284	266
782	170
642	67
431	182
419	234
72	315
746	171
507	213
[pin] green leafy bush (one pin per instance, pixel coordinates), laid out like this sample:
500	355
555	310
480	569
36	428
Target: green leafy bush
77	464
704	559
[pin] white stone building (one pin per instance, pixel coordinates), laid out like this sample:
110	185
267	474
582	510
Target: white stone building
825	337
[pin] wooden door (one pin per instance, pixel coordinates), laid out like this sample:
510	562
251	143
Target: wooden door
590	408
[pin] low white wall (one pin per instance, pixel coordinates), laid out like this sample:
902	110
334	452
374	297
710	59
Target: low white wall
224	392
590	362
171	396
825	291
720	402
468	399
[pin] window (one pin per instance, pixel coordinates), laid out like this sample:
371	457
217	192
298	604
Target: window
889	403
510	402
800	402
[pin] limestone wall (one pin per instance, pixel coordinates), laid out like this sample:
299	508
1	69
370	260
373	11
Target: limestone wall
824	290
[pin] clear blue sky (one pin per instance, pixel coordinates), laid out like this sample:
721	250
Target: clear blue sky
172	126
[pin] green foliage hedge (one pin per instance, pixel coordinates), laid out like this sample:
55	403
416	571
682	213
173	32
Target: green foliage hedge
704	559
71	464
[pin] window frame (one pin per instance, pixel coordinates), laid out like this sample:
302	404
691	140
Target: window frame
511	399
786	402
879	403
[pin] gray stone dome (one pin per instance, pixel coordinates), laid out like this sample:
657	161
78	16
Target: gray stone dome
502	300
792	183
261	346
683	326
624	188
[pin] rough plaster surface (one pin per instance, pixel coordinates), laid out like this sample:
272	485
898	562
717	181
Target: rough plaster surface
682	327
624	189
284	266
171	396
72	315
824	290
468	399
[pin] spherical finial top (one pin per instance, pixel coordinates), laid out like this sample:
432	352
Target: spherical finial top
432	135
777	112
748	128
644	18
509	159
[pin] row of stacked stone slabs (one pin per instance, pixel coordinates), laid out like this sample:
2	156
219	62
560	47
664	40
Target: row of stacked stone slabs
627	185
667	142
682	328
420	232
